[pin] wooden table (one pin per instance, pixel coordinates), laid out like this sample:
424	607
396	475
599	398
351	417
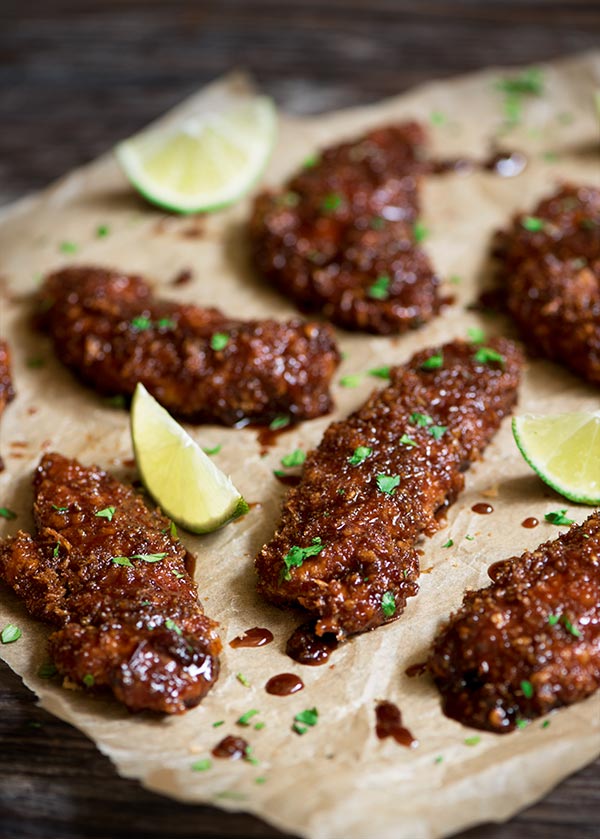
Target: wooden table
75	77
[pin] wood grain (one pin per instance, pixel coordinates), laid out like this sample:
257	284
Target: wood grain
75	77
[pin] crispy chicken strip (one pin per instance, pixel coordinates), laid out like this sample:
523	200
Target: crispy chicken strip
340	237
104	569
345	548
530	641
201	365
550	267
6	386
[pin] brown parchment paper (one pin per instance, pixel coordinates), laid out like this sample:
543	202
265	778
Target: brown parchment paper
338	780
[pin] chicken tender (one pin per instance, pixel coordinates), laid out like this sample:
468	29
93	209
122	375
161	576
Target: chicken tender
345	548
530	641
201	365
106	572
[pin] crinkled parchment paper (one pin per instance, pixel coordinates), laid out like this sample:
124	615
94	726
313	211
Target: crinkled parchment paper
338	779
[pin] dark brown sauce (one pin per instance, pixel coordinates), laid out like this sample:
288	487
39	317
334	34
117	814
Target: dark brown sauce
305	647
416	669
231	748
129	463
190	564
483	508
495	569
388	723
530	522
258	636
183	277
288	480
284	684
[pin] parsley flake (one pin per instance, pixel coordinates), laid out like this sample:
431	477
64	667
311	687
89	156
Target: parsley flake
472	741
201	765
331	202
361	453
126	560
242	680
295	458
553	619
529	82
558	517
260	780
438	759
420	420
527	689
352	380
212	449
279	422
47	670
59	509
437	431
88	680
388	483
7	514
380	372
170	624
434	362
218	723
56	550
165	323
68	247
437	118
258	726
311	161
388	604
10	633
102	231
296	555
545	724
448	544
486	355
408	441
219	341
106	513
305	720
35	363
245	718
476	335
574	630
290	199
469	538
533	224
141	323
380	290
521	723
420	232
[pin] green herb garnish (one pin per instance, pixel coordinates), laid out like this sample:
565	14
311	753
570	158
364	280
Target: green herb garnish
434	362
527	689
68	247
106	513
486	355
361	453
7	514
380	290
476	335
380	372
296	555
141	323
529	82
102	231
420	232
126	560
170	624
558	517
448	544
331	202
242	680
353	380
420	420
212	449
219	341
10	633
305	720
201	765
46	670
218	723
472	741
533	224
245	718
521	723
388	604
279	422
88	680
388	483
437	431
295	458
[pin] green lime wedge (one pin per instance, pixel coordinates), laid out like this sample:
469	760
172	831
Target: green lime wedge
204	163
179	476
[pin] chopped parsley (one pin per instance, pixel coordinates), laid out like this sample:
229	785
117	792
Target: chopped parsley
472	741
553	619
165	323
380	372
437	118
7	514
438	759
574	630
279	422
10	633
126	560
88	680
361	453
331	202
352	380
170	624
296	555
438	431
388	604
305	720
545	724
249	756
421	420
218	723
245	718
47	670
201	765
56	550
380	290
476	335
486	355
408	441
455	279
212	449
533	224
102	231
527	689
529	82
68	247
219	341
469	538
448	544
290	199
258	726
434	362
242	680
311	161
388	483
558	517
141	323
521	723
260	780
59	509
420	232
295	458
106	513
179	575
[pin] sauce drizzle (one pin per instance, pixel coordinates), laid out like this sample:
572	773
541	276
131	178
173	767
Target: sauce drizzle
482	508
231	748
284	684
388	723
257	636
305	647
530	522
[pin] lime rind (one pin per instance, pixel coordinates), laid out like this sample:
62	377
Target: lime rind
177	473
206	163
564	451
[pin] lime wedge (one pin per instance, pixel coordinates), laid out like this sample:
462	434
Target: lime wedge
204	163
183	481
564	450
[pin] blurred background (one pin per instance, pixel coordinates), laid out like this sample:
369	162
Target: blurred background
76	77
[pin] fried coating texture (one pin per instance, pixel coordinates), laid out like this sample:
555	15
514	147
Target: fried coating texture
368	565
552	277
110	329
339	238
136	629
530	641
7	392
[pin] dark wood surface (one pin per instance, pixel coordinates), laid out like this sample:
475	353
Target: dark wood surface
75	77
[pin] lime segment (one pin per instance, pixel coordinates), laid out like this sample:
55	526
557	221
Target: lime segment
564	450
204	163
180	477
